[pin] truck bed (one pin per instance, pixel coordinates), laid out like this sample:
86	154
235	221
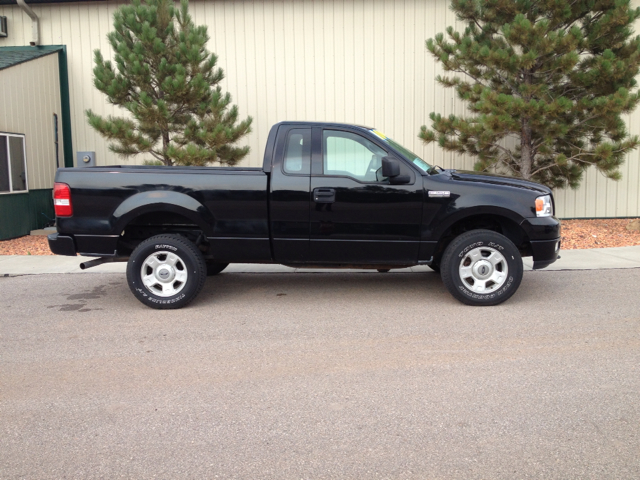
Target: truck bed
228	204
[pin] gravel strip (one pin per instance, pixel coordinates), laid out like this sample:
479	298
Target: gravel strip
29	245
604	233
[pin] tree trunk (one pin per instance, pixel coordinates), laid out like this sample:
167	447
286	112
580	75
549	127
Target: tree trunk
165	137
526	150
526	144
165	144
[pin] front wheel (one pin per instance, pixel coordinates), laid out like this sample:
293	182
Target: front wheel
166	271
481	267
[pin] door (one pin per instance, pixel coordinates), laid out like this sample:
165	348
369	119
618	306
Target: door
289	195
356	216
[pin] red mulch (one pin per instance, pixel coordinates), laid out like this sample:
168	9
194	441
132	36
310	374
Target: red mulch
29	245
576	234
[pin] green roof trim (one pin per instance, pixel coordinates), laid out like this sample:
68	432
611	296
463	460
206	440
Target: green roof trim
40	51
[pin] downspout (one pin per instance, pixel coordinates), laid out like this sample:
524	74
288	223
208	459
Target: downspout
35	27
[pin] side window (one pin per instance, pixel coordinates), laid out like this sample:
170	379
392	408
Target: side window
297	155
13	165
351	155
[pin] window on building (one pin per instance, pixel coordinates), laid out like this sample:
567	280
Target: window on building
13	163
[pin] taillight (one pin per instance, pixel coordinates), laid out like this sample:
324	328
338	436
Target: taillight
62	200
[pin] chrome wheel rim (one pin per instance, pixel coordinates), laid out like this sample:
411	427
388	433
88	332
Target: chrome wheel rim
164	274
483	270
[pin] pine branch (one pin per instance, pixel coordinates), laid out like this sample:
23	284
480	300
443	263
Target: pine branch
505	150
554	75
163	75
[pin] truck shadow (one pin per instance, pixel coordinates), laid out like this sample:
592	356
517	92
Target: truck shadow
372	288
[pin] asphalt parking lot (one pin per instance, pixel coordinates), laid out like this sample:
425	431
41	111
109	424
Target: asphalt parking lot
321	375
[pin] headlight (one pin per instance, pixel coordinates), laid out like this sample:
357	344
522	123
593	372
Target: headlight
544	207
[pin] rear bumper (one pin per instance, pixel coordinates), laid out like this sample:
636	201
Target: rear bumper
61	244
88	245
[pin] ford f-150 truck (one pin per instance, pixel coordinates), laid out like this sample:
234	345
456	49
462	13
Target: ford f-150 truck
327	195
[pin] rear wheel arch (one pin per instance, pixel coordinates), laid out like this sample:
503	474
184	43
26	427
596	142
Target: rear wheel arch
145	203
145	223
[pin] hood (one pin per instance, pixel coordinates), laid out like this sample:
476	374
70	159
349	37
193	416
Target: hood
487	178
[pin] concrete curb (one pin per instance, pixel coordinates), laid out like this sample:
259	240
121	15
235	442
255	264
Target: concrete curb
594	259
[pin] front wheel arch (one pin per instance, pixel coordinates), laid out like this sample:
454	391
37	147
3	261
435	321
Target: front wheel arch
497	223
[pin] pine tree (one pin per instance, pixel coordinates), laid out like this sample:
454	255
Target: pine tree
168	81
545	83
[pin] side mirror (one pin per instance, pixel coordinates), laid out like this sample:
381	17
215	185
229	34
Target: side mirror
391	170
390	167
400	180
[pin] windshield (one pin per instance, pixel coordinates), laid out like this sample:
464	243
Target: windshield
417	161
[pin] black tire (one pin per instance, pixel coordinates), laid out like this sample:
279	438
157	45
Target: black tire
384	270
481	268
214	268
177	258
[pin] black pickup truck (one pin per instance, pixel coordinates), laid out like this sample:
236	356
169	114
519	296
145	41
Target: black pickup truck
328	195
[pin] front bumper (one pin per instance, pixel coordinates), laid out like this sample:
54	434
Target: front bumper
545	252
61	244
545	239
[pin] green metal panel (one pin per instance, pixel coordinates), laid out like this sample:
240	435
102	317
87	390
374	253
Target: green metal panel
65	104
22	212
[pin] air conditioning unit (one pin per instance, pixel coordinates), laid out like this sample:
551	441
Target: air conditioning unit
3	26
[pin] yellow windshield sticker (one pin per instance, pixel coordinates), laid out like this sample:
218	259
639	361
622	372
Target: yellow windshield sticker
380	134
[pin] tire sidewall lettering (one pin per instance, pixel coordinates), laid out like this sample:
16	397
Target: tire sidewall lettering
166	301
470	247
488	296
166	247
497	246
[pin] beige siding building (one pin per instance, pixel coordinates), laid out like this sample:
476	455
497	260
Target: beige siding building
32	114
352	61
30	109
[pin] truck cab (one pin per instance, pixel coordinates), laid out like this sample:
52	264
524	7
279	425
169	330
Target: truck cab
333	202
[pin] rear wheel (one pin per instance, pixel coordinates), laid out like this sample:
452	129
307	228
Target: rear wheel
166	271
481	267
